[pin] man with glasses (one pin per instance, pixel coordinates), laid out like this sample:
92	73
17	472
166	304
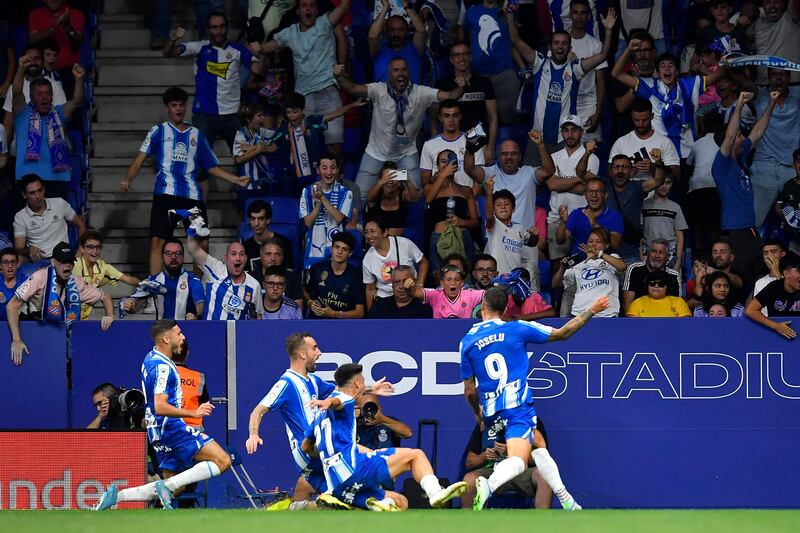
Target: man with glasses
217	80
643	61
277	306
177	294
484	270
478	103
577	225
402	304
12	278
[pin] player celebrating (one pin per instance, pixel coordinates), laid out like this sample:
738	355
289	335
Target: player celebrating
178	446
494	353
356	474
292	396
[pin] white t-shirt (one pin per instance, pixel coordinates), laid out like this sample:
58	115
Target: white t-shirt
565	168
645	15
702	157
46	230
384	142
432	148
591	279
377	268
523	186
639	149
3	141
585	47
505	244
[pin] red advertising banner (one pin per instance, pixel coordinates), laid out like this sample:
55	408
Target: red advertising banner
68	469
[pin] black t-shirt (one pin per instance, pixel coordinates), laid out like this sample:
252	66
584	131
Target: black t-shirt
637	284
387	308
778	301
376	437
253	251
340	293
473	101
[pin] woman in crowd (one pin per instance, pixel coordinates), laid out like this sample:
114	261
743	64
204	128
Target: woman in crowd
388	199
717	291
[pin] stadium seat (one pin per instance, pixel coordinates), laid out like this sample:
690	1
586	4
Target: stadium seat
415	224
194	497
251	493
285	220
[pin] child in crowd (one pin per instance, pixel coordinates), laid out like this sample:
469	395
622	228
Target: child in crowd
250	148
662	218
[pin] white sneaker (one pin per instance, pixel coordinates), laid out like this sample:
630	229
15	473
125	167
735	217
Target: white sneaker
445	495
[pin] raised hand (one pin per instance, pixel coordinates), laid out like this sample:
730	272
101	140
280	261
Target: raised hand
591	147
78	71
536	137
745	97
610	19
338	70
382	388
655	154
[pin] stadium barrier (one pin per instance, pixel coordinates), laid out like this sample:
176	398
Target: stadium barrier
53	469
640	412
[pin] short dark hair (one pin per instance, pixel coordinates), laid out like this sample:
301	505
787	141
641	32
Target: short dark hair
667	56
774	242
796	155
259	205
90	235
171	240
562	32
596	180
216	14
294	101
295	341
495	299
789	261
505	193
272	241
455	256
27	179
642	105
9	251
49	44
483	257
345	238
388	165
622	156
174	94
346	372
275	270
330	156
248	110
160	327
603	233
40	81
109	389
31	46
449	103
580	3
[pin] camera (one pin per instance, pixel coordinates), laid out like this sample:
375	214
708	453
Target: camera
369	410
126	409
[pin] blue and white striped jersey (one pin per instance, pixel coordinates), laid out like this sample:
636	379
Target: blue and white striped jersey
674	108
180	155
334	433
160	376
290	397
226	300
183	294
495	353
217	75
318	237
555	95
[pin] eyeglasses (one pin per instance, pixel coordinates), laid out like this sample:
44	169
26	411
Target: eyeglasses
657	283
594	192
483	270
173	254
93	247
274	284
9	262
217	26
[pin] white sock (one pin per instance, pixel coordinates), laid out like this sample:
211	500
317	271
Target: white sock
199	472
505	471
144	493
549	470
430	484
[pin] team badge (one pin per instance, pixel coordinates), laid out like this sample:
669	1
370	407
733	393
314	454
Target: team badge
183	286
2	298
194	141
248	297
70	317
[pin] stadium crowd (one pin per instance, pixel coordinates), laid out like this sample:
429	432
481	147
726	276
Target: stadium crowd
563	150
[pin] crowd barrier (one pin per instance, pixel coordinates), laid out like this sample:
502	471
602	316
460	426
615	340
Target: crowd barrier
640	412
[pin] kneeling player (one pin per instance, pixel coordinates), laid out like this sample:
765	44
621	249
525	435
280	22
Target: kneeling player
495	354
179	448
356	474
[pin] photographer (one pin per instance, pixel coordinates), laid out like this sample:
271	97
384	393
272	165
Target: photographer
374	429
117	408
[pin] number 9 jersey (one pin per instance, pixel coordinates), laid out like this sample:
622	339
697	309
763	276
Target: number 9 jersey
495	353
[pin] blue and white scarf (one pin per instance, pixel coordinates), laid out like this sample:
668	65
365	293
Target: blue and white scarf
738	60
56	143
53	309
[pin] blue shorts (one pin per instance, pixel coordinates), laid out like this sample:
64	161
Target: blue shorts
175	451
518	423
372	472
315	476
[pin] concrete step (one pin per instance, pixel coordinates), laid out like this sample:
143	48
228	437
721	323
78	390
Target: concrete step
108	172
137	90
137	35
125	234
117	108
123	139
137	215
184	19
98	199
145	72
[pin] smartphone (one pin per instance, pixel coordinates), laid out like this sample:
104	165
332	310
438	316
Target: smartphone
452	158
574	260
399	175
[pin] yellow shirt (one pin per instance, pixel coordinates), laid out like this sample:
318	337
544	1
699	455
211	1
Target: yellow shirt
671	306
101	274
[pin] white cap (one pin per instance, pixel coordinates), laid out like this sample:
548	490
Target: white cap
570	119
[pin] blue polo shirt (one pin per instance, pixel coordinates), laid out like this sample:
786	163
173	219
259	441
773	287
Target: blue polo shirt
735	189
579	226
43	167
781	137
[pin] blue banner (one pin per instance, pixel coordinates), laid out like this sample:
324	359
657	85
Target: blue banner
36	391
640	412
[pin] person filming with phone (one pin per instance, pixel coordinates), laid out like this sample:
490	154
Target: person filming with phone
389	198
453	211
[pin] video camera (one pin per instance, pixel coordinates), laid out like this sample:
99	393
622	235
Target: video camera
126	408
368	411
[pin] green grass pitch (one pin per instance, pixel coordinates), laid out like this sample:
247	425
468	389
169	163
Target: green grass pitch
445	521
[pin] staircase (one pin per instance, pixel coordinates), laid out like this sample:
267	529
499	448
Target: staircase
131	79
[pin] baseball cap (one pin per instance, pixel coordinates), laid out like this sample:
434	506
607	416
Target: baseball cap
570	119
63	253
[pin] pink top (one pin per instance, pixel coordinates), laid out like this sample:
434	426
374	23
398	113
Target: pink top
460	308
31	291
534	304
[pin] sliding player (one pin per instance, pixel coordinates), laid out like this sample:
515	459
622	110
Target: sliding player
292	396
494	353
179	448
356	474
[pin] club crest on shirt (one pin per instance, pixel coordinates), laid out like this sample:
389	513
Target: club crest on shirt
183	286
2	298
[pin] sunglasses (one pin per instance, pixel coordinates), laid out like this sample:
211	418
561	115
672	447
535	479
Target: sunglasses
657	283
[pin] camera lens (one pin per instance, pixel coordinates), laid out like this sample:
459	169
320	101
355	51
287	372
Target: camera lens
369	410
